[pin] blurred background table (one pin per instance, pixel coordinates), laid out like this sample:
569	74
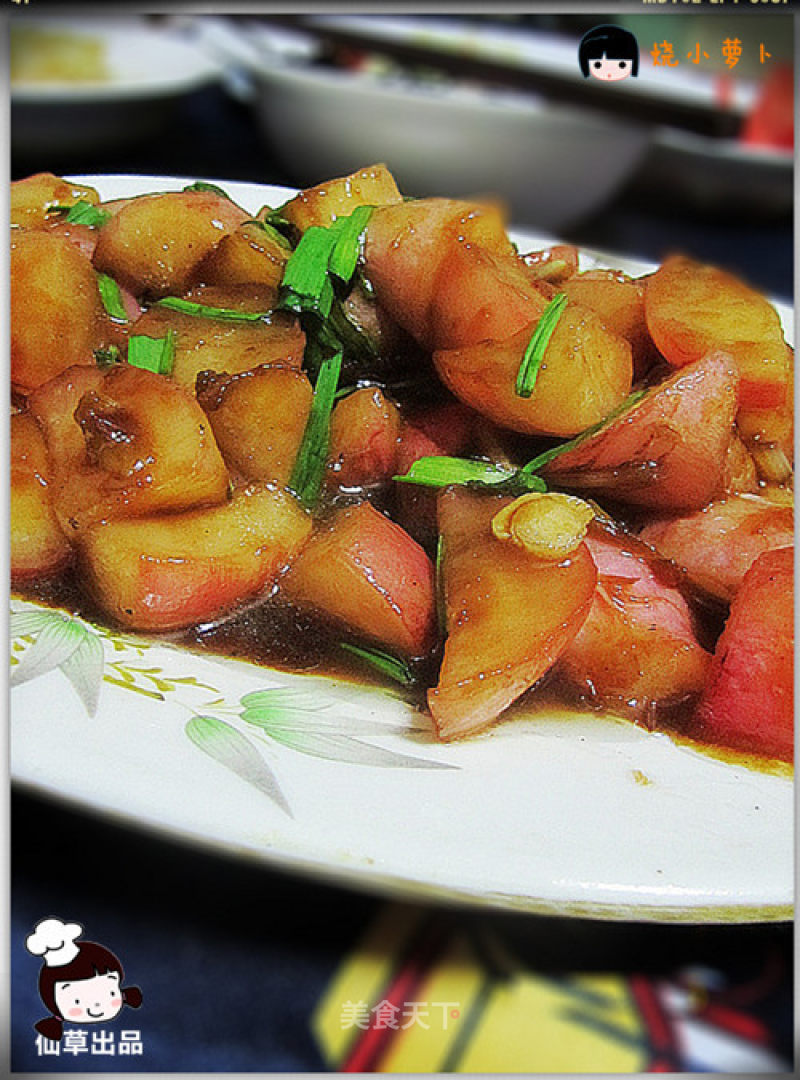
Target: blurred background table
234	958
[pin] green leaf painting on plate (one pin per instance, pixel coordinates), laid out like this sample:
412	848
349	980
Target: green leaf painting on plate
274	719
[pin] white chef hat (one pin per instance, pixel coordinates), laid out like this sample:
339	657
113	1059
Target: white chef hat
54	940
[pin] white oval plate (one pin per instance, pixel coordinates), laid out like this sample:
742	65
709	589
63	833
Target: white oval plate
564	814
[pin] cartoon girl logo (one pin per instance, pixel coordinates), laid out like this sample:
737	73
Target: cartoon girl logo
79	981
609	53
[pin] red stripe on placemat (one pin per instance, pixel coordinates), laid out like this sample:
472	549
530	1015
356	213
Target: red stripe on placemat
660	1032
369	1049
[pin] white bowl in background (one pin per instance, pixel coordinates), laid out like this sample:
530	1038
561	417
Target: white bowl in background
552	164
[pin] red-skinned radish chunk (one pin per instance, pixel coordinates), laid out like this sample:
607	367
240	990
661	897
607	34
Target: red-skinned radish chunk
54	405
667	451
154	243
324	203
748	703
509	613
693	309
258	418
439	430
479	295
172	571
406	244
637	650
717	545
57	317
38	547
366	573
364	433
585	374
149	447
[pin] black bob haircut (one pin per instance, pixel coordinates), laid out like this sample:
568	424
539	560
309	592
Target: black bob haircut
612	42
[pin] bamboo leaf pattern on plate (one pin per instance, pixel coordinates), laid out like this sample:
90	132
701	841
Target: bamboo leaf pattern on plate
59	642
278	716
229	747
285	717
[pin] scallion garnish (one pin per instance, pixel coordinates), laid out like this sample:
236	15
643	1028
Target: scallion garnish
82	213
275	218
441	472
309	466
111	296
347	246
271	232
205	185
305	285
534	354
152	354
106	357
386	663
206	311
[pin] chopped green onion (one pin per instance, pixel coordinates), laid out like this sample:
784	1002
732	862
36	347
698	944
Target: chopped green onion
271	232
396	669
347	247
82	213
534	354
204	185
441	606
555	451
152	354
275	218
441	472
309	467
106	357
205	311
305	277
111	296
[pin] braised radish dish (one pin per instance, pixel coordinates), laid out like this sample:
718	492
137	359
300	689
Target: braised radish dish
369	432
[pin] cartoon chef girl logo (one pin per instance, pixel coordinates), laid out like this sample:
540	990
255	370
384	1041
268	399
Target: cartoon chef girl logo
608	53
80	981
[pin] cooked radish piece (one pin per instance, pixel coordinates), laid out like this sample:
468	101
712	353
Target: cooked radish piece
38	547
740	474
637	649
322	204
227	346
585	374
258	418
693	309
32	200
509	614
718	545
406	244
669	450
57	318
480	296
148	447
366	573
249	255
748	703
365	427
552	265
155	242
175	570
54	405
619	301
441	430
